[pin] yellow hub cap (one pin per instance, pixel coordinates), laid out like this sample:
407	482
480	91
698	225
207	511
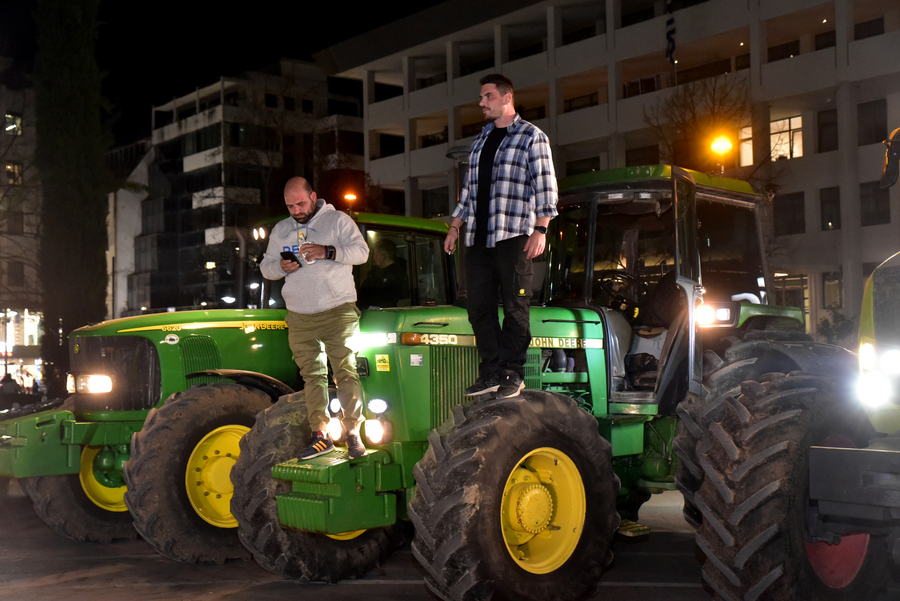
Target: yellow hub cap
346	535
542	511
207	478
110	498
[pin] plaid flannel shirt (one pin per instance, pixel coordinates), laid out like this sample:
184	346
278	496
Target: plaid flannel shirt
523	183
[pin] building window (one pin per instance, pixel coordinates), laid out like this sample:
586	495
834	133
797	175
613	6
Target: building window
13	124
830	202
15	274
745	143
792	291
306	106
580	166
874	204
644	85
646	155
786	138
790	214
871	120
783	51
826	40
828	130
15	222
271	101
868	29
14	173
581	102
832	297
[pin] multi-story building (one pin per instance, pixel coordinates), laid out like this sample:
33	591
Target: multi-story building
20	205
823	78
217	164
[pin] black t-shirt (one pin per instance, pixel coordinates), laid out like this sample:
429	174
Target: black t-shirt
485	171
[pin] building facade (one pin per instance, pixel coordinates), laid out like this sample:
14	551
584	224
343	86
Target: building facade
216	165
822	77
20	205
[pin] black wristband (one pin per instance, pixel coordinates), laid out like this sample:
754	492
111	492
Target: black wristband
329	253
540	228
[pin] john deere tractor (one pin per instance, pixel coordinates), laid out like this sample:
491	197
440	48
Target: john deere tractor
146	441
650	311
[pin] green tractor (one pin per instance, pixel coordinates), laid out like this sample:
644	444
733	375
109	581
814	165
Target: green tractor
632	357
146	442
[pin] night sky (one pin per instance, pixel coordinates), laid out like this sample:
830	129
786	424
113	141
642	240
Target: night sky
152	51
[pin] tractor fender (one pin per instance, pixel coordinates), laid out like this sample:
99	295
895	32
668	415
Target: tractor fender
250	379
814	358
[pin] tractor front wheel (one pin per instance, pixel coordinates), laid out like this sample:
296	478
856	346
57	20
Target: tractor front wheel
280	433
179	484
515	499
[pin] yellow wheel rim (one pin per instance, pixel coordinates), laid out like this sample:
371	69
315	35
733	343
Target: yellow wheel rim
207	477
543	510
346	535
101	492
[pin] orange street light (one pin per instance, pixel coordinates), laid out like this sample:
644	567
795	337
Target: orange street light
349	196
721	145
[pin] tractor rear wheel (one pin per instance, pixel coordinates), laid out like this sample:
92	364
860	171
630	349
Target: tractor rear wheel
515	499
179	485
754	498
280	433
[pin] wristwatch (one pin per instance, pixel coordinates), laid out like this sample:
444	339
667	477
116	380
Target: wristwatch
329	253
540	228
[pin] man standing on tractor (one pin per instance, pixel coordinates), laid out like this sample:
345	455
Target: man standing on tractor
314	250
507	200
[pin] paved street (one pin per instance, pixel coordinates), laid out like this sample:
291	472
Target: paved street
38	564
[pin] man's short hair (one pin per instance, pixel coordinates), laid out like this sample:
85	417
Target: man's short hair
387	246
503	83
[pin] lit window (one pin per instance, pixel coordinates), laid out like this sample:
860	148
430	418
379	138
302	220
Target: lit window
14	173
745	141
786	138
13	124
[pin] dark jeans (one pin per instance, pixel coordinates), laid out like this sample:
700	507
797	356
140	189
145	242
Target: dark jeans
505	267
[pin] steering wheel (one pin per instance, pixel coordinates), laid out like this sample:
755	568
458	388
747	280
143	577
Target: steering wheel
605	280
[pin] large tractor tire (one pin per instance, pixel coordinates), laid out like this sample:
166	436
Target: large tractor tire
179	484
754	498
82	506
280	433
724	369
86	506
515	499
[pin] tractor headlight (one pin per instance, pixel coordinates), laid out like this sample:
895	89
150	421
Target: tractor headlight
378	431
716	315
874	389
377	406
88	384
334	429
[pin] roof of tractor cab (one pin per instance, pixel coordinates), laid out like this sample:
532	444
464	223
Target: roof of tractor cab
628	175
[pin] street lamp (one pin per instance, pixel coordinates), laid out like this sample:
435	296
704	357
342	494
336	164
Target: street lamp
721	146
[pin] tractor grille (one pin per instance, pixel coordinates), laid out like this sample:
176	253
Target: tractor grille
453	369
199	353
132	363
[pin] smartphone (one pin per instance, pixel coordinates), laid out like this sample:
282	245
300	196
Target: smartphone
289	256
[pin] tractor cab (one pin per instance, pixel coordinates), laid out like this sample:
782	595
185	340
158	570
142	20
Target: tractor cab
632	249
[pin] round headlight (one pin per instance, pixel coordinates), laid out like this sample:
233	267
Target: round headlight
377	406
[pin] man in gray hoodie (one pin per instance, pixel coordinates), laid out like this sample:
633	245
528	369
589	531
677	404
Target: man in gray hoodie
321	299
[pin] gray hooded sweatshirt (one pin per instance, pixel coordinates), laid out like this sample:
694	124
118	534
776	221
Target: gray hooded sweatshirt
323	284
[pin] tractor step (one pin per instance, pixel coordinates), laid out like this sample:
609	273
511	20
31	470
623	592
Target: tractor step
633	529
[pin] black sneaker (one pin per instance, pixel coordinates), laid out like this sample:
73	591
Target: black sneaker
318	445
354	445
483	386
510	385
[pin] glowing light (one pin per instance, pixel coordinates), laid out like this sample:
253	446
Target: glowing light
873	389
377	406
867	358
705	315
374	431
334	405
721	145
334	428
349	196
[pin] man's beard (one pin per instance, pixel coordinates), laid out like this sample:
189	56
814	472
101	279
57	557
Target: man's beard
306	218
